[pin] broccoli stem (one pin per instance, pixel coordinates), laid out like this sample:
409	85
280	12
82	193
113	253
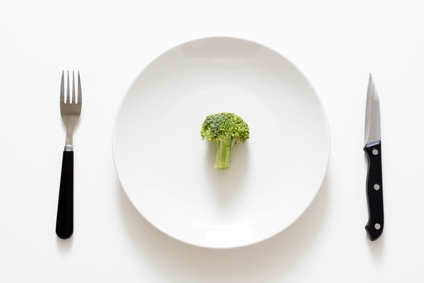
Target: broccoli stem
223	153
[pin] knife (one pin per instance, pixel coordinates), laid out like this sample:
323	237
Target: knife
372	148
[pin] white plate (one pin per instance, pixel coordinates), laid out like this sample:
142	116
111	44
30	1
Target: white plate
167	171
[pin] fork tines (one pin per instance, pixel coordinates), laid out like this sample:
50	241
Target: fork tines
69	98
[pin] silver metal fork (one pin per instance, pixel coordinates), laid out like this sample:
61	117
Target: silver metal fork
70	109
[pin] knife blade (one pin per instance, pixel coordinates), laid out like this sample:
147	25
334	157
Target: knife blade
372	148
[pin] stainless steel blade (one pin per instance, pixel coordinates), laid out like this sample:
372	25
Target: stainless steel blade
372	114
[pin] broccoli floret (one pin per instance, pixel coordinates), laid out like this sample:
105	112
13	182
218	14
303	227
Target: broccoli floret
225	129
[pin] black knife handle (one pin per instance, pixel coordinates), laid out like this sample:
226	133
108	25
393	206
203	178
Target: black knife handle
375	223
65	208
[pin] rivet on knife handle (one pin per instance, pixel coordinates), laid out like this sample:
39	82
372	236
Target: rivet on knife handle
374	190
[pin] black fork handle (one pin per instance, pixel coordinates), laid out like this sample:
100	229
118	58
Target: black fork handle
65	208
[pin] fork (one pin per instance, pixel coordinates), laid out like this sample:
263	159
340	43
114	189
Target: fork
70	109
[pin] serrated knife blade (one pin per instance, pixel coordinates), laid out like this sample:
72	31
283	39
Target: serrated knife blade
372	148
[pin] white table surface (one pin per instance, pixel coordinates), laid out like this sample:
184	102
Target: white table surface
336	44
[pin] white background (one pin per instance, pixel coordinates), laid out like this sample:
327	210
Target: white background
336	44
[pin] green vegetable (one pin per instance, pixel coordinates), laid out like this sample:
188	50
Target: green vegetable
225	129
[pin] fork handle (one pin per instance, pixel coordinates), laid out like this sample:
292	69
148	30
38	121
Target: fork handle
65	209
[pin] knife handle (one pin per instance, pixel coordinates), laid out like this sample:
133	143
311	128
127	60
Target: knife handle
375	223
65	208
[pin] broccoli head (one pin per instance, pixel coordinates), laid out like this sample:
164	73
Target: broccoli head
225	129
